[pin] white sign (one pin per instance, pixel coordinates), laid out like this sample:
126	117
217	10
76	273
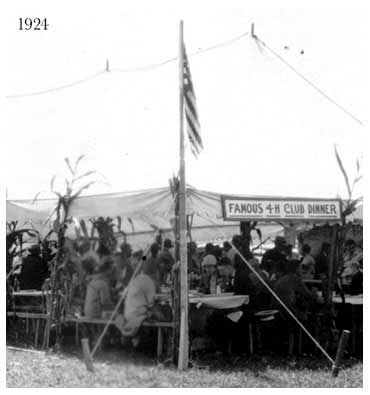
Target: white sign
247	209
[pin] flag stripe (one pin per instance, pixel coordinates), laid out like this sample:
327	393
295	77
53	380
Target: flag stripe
192	130
191	112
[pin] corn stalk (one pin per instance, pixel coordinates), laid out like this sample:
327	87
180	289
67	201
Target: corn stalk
349	206
62	210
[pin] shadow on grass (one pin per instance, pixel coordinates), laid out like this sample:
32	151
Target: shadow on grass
256	364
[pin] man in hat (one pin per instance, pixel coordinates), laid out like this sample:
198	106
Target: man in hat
274	260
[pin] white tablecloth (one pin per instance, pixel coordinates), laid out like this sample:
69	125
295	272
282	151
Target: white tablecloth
219	301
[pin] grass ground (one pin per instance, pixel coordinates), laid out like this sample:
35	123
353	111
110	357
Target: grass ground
116	369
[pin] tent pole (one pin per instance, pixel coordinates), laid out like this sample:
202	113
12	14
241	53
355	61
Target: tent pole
332	263
184	340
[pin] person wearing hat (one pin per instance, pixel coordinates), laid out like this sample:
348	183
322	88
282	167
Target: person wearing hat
274	260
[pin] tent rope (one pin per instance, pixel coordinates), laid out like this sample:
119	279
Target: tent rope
121	299
277	297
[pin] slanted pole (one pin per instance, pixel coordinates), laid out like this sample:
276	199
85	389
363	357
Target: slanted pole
184	335
340	352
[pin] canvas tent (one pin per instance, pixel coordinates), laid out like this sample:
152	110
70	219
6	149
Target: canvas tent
142	212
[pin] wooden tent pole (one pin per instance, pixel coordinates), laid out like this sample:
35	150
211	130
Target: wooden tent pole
184	338
332	263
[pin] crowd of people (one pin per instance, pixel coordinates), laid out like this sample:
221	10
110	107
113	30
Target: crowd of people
95	280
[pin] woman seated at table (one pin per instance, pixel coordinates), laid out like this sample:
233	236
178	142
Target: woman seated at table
139	300
98	294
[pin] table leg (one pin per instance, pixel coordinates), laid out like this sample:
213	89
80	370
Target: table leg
37	332
291	342
159	342
250	338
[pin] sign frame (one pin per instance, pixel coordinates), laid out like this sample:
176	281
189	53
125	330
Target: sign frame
277	218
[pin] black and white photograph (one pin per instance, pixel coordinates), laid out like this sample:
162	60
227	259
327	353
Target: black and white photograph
184	186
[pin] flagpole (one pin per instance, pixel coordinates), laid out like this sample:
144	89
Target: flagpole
184	336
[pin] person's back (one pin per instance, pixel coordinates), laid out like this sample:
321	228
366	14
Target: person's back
98	297
272	260
285	289
139	299
290	288
140	296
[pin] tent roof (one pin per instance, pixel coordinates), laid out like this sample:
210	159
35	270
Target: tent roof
142	212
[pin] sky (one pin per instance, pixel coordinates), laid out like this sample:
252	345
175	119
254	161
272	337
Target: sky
265	131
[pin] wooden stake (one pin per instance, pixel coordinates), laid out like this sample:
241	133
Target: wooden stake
86	354
340	352
183	345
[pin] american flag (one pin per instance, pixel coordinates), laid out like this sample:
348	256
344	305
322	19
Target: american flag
191	113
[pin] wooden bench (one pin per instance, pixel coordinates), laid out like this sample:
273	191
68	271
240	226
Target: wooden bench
34	317
159	325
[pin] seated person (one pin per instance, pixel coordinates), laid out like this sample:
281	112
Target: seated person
139	299
352	264
261	297
209	276
98	297
193	258
307	266
209	270
242	283
274	260
165	262
322	261
121	273
209	257
292	292
229	251
126	250
225	272
34	270
136	259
